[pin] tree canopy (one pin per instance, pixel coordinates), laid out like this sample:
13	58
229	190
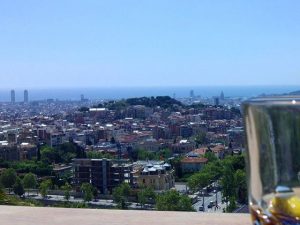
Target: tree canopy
44	187
18	187
64	153
30	166
200	138
8	178
121	194
161	101
29	181
173	201
162	154
87	190
99	155
210	156
145	195
230	172
67	189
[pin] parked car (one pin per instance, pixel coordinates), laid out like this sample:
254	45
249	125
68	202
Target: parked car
201	208
209	188
211	204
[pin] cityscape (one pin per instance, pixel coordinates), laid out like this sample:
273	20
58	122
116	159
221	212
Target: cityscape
149	112
136	153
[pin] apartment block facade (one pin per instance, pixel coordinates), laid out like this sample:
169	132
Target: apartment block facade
104	174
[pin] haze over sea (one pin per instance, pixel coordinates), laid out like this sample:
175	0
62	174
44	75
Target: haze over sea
129	92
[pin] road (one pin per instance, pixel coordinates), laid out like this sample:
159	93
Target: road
207	199
110	203
75	200
99	202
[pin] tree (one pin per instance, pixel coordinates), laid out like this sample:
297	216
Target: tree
142	199
231	174
236	161
8	178
173	201
228	182
18	187
87	190
185	204
44	187
176	164
162	101
63	153
95	193
145	195
164	154
200	138
199	180
2	193
29	181
241	187
99	155
67	189
29	166
232	204
214	169
69	151
233	179
145	155
121	194
210	156
49	155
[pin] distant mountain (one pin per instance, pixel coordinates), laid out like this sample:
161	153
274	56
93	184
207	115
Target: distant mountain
274	95
295	93
161	101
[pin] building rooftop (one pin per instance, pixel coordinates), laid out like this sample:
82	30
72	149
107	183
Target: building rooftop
194	160
59	167
15	215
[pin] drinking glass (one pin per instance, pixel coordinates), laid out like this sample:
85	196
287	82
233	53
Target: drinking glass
272	127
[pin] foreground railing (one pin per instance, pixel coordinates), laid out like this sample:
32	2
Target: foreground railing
16	215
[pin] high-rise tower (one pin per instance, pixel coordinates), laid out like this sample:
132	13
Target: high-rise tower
222	97
192	95
12	96
216	101
25	96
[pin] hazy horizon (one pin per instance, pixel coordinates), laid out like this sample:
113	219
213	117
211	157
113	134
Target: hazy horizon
129	92
145	86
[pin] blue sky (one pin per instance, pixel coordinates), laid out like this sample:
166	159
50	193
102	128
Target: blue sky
148	43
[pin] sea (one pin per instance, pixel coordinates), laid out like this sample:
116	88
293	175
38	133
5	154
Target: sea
101	93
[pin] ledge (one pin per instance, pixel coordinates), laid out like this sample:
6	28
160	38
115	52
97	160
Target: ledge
15	215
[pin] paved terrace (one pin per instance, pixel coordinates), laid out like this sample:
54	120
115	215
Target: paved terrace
15	215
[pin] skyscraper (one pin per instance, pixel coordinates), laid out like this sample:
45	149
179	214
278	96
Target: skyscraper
12	96
222	97
192	94
25	96
216	101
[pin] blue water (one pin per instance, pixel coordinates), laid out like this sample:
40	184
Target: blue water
127	92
